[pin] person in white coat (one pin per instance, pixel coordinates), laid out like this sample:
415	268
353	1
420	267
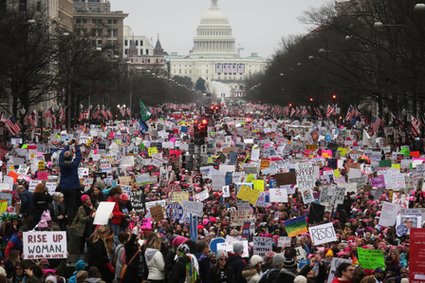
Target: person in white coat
155	261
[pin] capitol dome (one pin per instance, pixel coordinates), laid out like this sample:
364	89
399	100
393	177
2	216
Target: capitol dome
214	35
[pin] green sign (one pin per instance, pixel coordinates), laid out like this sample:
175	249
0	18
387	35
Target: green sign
371	259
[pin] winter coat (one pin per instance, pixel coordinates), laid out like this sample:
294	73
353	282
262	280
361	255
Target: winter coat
155	263
97	255
251	275
117	213
41	202
237	264
69	170
57	209
214	275
26	202
132	274
80	221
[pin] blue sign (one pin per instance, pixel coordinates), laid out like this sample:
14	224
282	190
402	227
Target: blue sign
174	211
193	227
214	242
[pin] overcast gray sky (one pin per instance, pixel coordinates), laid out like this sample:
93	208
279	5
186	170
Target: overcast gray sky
258	25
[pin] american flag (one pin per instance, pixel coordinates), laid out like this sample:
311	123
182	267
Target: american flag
128	112
62	114
84	115
330	111
11	124
375	125
293	111
104	114
416	126
96	114
350	113
398	121
109	114
318	112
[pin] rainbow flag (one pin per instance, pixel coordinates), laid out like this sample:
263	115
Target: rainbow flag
296	226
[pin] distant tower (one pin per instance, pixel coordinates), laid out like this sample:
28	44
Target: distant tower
132	51
158	50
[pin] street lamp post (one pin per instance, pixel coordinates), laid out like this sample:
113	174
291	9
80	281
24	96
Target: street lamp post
41	112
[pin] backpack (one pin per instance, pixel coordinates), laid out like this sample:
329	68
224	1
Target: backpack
269	276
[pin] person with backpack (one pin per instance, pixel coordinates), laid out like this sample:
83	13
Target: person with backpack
236	263
119	254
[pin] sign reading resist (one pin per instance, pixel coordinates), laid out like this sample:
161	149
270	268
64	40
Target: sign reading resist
322	234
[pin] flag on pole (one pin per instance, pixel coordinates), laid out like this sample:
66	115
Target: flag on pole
350	113
398	121
11	125
416	126
376	124
144	112
104	114
330	111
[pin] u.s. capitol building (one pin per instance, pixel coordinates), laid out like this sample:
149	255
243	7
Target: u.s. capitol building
214	57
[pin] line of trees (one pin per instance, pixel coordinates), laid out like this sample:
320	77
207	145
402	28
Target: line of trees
361	50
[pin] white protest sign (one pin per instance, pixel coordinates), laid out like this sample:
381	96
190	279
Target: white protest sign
150	204
262	245
322	234
202	196
339	195
255	154
283	242
192	207
226	191
51	187
46	244
102	213
334	265
83	172
305	176
227	168
301	253
388	215
228	246
278	195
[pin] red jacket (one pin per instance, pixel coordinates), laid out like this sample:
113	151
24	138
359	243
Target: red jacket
116	219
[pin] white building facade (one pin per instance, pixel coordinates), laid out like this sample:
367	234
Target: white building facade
214	57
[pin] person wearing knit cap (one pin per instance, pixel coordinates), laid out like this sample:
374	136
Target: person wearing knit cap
278	273
252	271
236	262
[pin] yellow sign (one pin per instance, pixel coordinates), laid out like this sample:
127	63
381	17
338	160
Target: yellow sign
247	194
342	151
258	185
312	147
41	165
152	151
3	206
265	163
250	178
396	166
337	174
179	196
125	180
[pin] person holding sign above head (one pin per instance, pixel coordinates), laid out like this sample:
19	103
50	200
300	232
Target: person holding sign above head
69	182
344	273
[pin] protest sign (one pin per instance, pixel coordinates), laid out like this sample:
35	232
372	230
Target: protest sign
296	226
103	212
388	215
301	253
307	195
334	265
147	224
238	217
262	245
247	194
179	196
157	212
417	255
226	191
193	207
305	176
44	245
283	242
278	195
202	196
322	234
174	211
371	259
327	195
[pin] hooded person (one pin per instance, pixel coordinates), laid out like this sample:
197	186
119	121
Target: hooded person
186	267
155	261
69	183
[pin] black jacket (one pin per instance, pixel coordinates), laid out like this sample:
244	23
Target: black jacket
214	275
237	264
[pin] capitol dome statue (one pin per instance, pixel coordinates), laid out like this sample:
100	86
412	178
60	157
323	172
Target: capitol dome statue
214	35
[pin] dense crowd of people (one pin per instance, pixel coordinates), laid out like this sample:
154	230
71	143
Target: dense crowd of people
246	176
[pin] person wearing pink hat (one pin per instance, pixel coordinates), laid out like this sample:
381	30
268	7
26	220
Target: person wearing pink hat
81	227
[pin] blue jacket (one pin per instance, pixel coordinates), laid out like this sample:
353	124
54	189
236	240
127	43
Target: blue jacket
69	170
